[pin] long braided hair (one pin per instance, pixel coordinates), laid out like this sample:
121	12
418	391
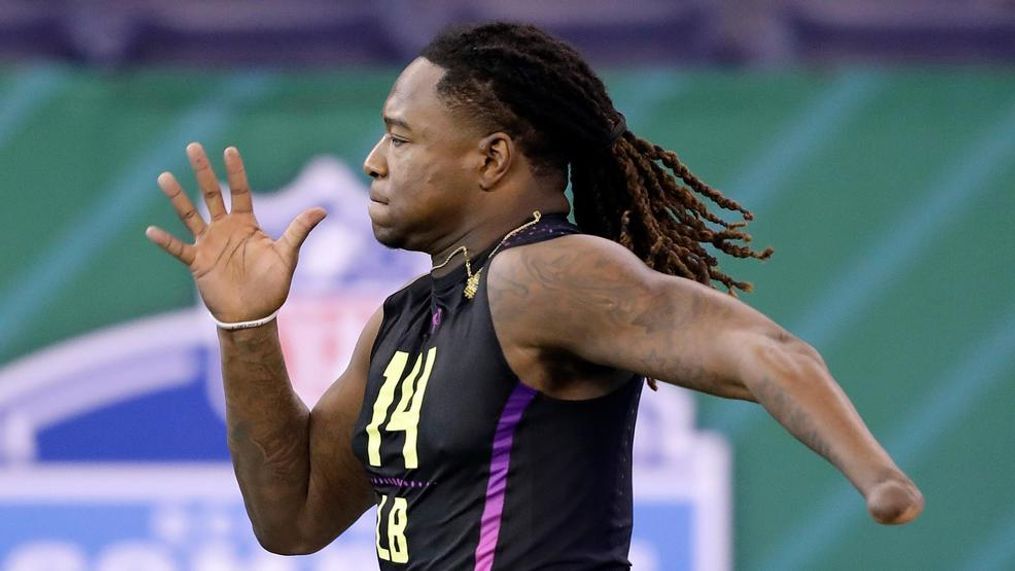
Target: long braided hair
539	90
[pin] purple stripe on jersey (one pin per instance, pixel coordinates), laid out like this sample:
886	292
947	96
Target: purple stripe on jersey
496	486
435	319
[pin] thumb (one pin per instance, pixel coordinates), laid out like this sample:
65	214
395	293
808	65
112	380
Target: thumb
298	230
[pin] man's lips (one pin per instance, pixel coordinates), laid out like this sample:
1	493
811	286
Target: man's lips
374	197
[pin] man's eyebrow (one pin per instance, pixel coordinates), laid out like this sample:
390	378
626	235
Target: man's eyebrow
396	122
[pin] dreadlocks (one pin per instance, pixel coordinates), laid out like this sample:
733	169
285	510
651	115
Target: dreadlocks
540	91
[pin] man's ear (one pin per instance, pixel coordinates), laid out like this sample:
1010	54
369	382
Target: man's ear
497	152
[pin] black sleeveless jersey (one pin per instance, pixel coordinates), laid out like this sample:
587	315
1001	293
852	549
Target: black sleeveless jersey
474	470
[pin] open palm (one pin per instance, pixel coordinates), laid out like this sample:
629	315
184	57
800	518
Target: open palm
241	273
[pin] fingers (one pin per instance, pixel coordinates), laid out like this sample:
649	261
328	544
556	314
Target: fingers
206	180
300	228
239	189
171	244
181	203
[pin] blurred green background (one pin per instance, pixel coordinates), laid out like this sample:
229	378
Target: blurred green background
888	195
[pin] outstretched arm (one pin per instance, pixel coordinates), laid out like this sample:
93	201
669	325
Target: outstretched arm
301	484
596	300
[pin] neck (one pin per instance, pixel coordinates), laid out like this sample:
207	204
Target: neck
476	240
492	224
470	243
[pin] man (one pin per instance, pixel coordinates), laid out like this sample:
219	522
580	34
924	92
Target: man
488	409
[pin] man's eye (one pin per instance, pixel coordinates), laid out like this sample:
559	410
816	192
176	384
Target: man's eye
396	142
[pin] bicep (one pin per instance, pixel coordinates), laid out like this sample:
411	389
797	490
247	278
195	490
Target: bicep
675	330
338	491
597	301
698	338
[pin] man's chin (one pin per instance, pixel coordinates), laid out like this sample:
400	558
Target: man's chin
397	238
388	239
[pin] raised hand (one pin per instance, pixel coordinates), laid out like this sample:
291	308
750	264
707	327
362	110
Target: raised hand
241	273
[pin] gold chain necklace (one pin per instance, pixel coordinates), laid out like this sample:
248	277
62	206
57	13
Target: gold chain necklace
472	282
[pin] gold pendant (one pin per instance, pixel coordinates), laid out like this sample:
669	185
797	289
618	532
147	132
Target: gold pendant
472	285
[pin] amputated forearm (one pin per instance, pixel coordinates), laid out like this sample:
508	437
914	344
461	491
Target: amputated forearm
268	432
791	381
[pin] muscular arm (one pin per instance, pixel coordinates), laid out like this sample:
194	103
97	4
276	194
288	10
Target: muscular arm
301	484
593	299
299	479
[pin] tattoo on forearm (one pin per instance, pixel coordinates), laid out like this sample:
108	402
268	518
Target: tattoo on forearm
278	454
799	421
268	445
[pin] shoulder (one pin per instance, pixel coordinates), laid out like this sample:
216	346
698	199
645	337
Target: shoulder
549	291
575	262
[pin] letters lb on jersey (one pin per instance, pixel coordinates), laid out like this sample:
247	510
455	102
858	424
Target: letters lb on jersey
112	445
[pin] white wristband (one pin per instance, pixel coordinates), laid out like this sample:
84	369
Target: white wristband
244	324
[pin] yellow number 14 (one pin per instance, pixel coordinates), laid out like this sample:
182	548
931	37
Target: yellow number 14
406	415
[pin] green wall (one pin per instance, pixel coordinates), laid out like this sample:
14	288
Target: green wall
888	195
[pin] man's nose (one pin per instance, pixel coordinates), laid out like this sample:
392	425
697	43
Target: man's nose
374	166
